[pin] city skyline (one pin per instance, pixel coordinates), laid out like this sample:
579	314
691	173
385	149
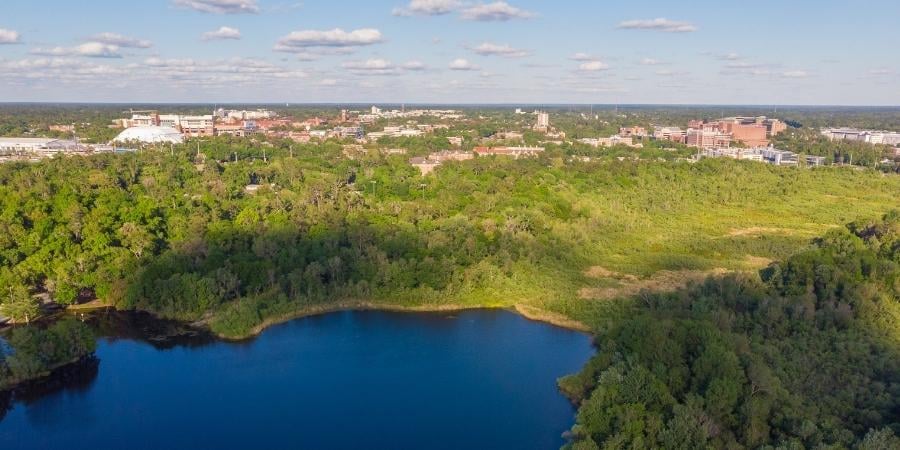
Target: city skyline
449	51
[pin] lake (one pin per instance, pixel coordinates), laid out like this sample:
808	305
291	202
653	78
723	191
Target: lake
348	380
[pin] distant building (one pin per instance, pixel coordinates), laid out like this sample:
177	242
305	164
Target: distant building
868	136
198	125
448	155
63	128
242	128
349	132
633	132
780	157
150	135
773	126
752	131
610	141
515	152
543	121
510	135
395	131
673	134
38	146
427	164
762	154
238	115
733	153
455	141
707	139
203	125
813	161
752	135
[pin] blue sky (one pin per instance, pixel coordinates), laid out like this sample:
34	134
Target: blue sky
457	51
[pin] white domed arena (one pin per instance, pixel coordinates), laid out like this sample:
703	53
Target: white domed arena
150	135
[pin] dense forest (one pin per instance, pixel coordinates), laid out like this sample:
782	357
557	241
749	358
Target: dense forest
181	235
808	357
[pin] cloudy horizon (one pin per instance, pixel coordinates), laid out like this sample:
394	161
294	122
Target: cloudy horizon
448	51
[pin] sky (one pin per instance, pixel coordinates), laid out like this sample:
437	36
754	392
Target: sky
768	52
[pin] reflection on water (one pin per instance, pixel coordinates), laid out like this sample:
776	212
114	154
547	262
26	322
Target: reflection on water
70	380
143	327
112	326
349	380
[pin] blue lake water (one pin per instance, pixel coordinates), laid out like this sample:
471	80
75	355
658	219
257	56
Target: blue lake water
350	380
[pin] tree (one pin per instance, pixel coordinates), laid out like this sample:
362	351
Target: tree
19	305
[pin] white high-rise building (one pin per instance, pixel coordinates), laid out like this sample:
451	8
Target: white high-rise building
543	121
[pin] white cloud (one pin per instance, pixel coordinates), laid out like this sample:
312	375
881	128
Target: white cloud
881	72
220	6
88	49
462	64
428	8
593	66
307	56
491	49
730	56
742	65
222	33
795	74
301	41
8	36
120	40
582	57
374	66
660	24
651	62
86	75
328	82
497	11
414	66
380	66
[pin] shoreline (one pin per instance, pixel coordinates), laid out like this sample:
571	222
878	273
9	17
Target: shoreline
528	312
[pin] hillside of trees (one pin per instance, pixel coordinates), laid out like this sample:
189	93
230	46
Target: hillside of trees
180	235
808	357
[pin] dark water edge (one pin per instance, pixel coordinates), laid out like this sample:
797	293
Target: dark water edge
472	379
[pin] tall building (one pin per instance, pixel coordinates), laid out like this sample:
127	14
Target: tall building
543	121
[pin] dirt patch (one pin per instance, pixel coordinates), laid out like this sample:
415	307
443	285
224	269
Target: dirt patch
542	315
662	281
757	262
758	231
603	272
